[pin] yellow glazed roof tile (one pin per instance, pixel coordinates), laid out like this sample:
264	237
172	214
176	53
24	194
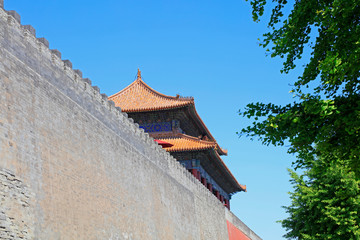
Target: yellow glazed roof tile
182	142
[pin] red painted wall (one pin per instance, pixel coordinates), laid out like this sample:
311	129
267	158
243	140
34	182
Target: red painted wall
235	233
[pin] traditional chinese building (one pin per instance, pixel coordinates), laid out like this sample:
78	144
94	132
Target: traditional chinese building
174	122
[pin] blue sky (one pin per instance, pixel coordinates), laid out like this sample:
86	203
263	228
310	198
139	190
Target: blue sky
205	49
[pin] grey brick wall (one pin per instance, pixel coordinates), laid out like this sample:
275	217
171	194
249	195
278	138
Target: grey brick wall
75	167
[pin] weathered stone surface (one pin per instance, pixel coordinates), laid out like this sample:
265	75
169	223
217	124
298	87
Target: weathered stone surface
87	80
112	103
56	52
30	29
96	88
72	168
15	15
67	63
78	72
16	208
44	41
104	96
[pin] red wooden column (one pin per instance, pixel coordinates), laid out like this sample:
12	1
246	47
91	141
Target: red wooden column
194	172
199	176
217	194
203	181
209	186
222	198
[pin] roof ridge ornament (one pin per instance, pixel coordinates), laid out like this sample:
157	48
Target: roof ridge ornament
138	75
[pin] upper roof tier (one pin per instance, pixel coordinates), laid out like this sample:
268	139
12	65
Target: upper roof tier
139	97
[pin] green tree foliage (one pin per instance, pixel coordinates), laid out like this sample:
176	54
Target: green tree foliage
322	125
335	45
325	204
330	114
313	127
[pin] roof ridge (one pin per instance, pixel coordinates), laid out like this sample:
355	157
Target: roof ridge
177	97
198	139
151	90
192	138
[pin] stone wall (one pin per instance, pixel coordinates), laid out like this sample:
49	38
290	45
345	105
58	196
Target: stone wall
72	166
16	208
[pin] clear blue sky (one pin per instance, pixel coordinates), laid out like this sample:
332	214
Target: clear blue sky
205	49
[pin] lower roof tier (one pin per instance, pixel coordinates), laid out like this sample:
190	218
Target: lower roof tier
185	146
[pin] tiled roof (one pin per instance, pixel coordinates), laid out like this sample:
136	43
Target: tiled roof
182	142
139	97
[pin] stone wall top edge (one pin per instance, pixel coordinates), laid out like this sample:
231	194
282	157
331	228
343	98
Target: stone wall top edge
193	183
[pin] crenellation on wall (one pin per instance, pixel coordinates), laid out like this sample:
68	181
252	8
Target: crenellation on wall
163	156
67	63
97	96
112	109
30	29
87	88
56	53
14	15
87	80
197	185
104	96
121	116
44	41
96	88
79	73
